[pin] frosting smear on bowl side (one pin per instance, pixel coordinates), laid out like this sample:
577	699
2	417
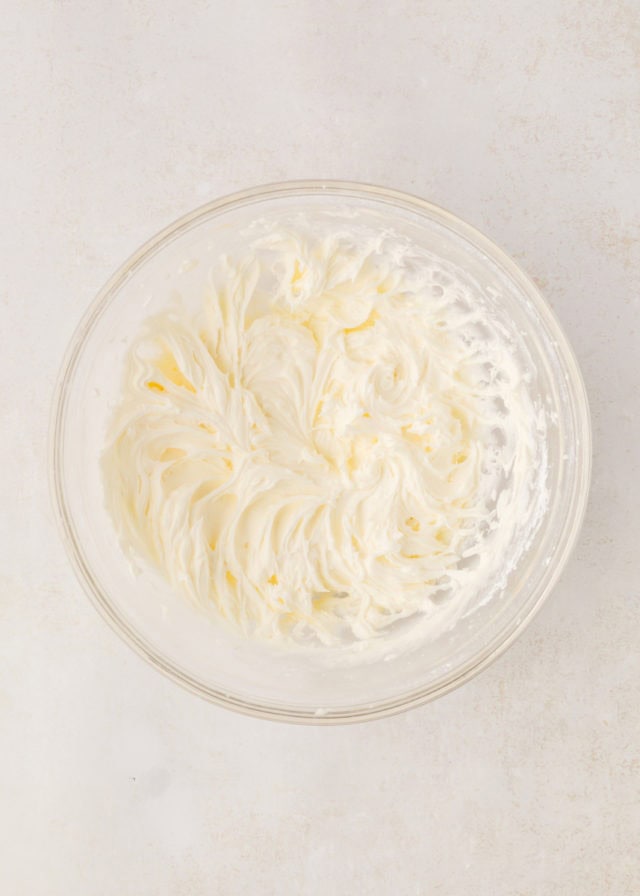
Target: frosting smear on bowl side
340	439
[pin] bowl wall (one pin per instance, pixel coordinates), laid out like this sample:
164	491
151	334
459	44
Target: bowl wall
218	663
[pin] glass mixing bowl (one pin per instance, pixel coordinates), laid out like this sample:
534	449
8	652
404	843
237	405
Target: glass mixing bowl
180	641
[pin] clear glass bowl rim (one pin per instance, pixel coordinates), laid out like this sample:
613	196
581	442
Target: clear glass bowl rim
577	499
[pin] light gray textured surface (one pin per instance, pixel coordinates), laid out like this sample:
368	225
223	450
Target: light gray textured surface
523	118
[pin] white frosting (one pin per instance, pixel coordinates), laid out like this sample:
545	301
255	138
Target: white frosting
341	439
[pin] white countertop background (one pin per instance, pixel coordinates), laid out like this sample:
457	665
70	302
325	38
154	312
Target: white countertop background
523	118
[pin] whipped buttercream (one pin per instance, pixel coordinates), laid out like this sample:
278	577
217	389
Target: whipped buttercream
340	439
